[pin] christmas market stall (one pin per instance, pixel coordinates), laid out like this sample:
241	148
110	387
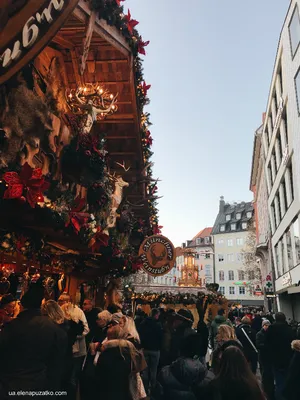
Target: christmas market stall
77	196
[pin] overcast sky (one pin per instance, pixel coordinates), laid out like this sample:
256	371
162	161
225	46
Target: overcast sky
210	64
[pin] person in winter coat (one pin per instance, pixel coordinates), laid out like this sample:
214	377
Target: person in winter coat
74	313
184	378
219	320
235	380
291	389
182	327
151	335
226	333
279	337
203	332
267	376
91	314
117	366
32	348
247	336
256	322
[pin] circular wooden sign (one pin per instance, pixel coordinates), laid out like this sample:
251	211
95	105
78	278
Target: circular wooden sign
158	255
26	27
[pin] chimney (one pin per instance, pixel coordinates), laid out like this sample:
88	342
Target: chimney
222	204
183	245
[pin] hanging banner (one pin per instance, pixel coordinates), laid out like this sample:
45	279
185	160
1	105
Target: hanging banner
26	27
158	255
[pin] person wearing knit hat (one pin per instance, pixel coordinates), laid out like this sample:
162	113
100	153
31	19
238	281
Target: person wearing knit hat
264	359
185	315
183	322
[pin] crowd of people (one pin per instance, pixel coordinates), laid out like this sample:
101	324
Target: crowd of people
88	354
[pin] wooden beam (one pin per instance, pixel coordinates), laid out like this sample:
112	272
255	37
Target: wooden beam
76	68
87	41
63	42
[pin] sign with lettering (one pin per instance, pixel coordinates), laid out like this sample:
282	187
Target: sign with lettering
26	27
158	255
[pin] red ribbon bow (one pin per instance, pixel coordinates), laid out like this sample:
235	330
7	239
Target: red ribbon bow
157	229
99	240
131	23
29	183
76	217
141	46
149	138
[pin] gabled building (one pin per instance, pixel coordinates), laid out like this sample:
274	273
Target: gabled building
230	238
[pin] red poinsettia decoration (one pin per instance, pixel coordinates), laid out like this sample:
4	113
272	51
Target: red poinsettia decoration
145	88
149	138
119	2
131	23
141	46
99	240
29	184
157	229
77	218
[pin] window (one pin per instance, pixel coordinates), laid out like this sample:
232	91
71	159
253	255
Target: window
207	270
242	290
297	241
229	242
198	241
233	227
207	240
244	225
221	276
251	275
230	257
222	290
222	228
241	275
239	257
207	255
221	242
297	85
239	241
249	214
238	216
228	217
221	257
231	275
294	29
231	290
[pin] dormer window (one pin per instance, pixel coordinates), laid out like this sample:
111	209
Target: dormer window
244	225
249	214
238	216
222	228
198	241
207	240
233	227
228	217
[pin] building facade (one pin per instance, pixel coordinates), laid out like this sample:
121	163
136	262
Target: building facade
281	144
258	185
231	236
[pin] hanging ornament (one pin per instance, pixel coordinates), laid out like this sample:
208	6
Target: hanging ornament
130	23
141	46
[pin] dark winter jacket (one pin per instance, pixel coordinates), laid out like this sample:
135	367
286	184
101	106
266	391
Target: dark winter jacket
113	372
261	346
203	333
279	338
218	351
32	348
151	334
91	317
292	387
217	322
256	323
178	335
181	379
249	351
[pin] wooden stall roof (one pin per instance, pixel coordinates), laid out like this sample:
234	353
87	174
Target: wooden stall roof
109	61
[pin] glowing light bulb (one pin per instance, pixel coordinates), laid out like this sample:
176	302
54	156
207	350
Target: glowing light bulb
101	91
111	96
113	107
84	89
70	95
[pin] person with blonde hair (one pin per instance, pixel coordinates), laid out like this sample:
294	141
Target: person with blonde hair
117	371
74	313
53	311
225	334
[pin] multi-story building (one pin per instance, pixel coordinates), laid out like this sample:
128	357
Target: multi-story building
230	237
258	185
281	144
